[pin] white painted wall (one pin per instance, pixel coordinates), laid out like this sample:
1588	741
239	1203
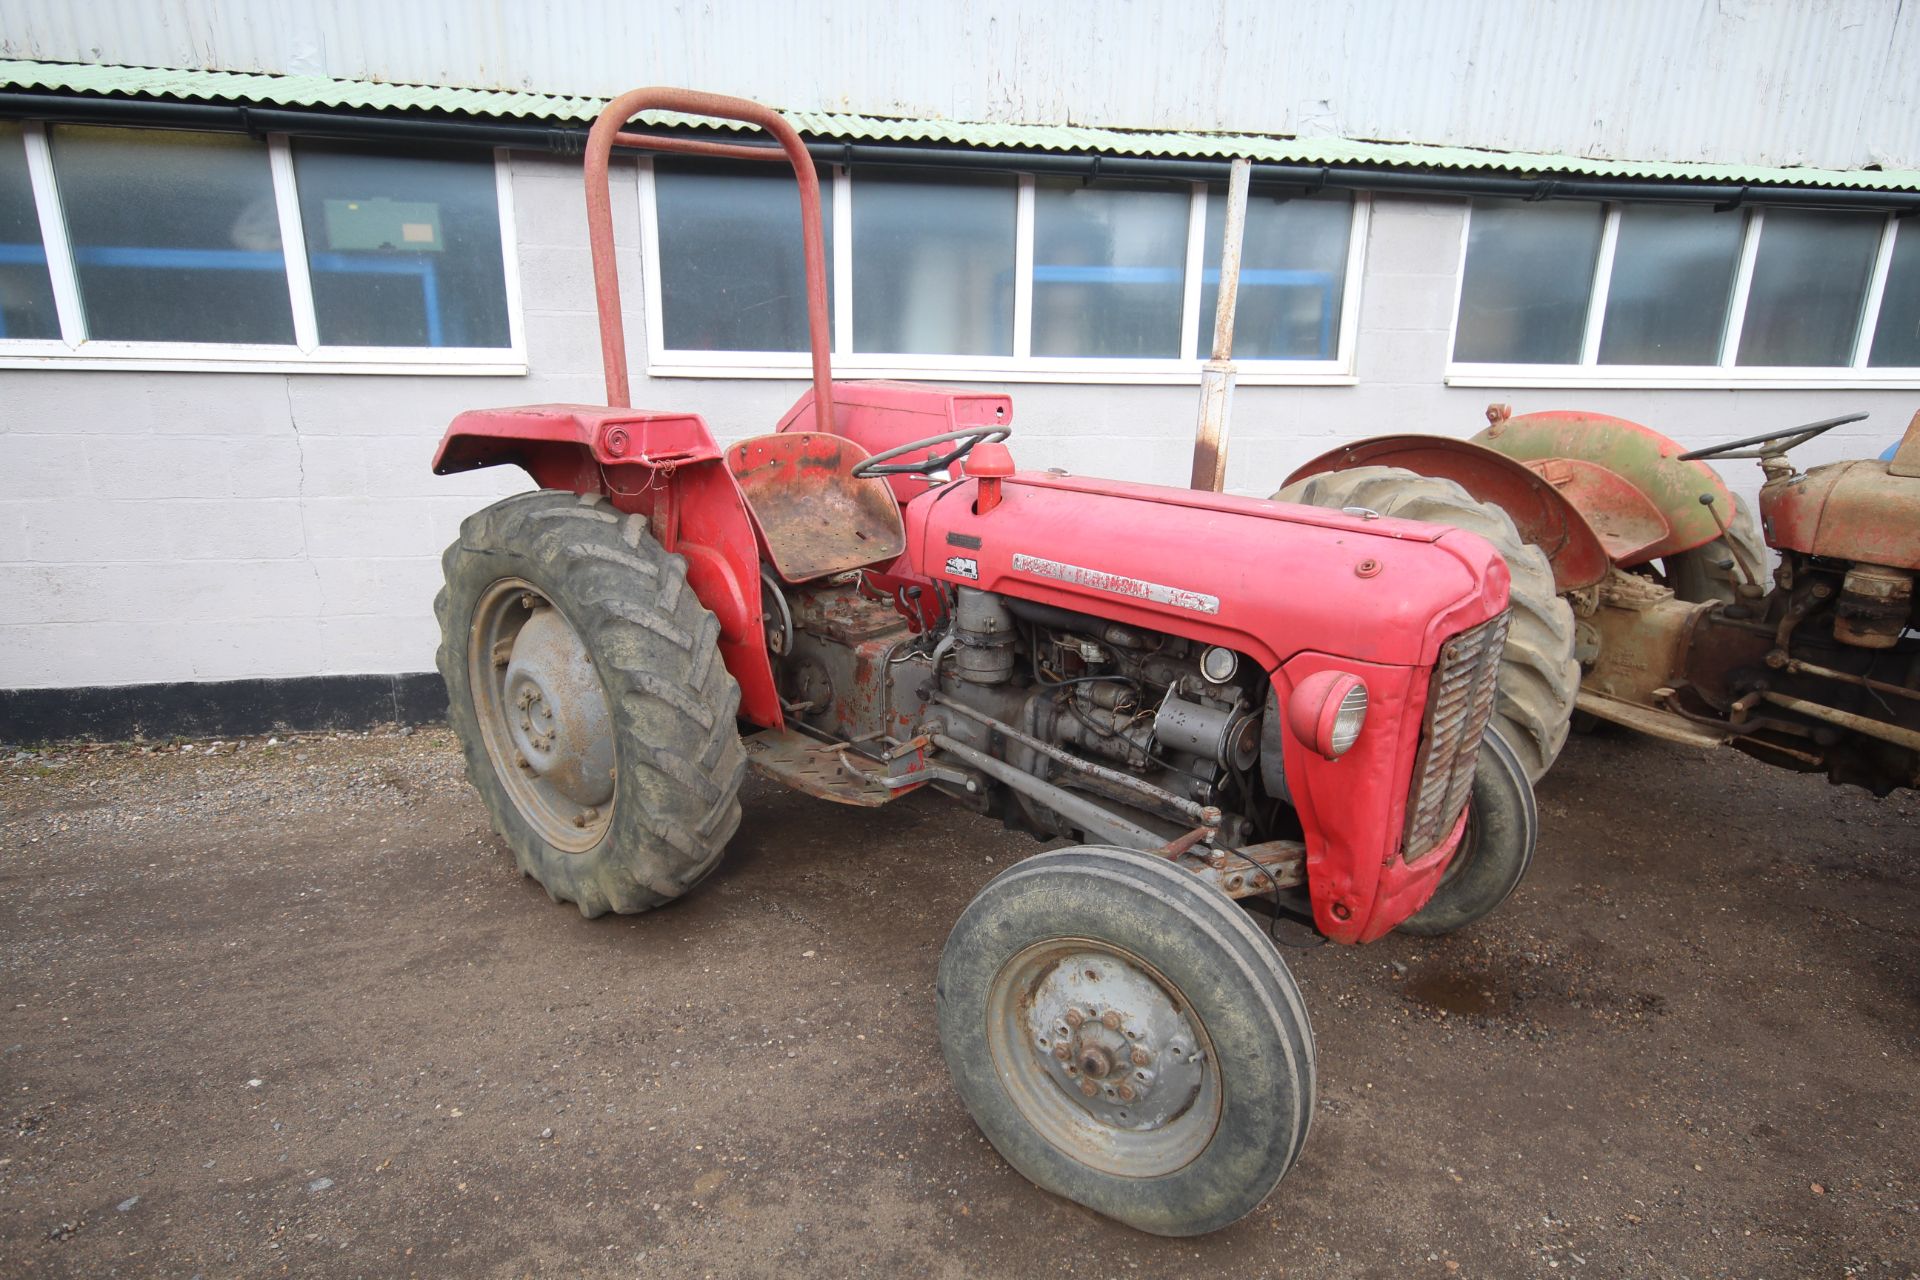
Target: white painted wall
174	526
1810	82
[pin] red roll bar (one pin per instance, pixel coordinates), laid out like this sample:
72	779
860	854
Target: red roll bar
609	129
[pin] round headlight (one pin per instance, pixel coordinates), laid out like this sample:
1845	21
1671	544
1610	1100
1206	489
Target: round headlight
1327	711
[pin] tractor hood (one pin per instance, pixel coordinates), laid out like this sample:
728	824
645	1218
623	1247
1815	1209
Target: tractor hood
1269	579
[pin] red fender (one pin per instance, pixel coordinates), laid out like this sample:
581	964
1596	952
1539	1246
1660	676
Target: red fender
1542	515
664	466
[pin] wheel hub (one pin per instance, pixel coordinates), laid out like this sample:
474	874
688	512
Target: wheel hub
1115	1042
556	711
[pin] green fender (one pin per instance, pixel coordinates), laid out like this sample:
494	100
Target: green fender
1626	479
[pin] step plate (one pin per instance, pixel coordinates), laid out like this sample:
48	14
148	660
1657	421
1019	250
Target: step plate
809	765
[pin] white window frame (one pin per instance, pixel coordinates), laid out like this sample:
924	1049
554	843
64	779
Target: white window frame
1023	365
1724	374
307	354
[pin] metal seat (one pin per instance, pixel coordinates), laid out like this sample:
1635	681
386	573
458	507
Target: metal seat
813	516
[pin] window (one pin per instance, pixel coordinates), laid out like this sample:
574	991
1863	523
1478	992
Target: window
170	249
26	290
1654	294
953	274
1524	295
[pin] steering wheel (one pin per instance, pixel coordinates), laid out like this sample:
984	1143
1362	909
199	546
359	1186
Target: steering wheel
882	464
1756	446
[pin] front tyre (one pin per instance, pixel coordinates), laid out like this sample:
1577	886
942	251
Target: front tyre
1495	850
1126	1038
585	684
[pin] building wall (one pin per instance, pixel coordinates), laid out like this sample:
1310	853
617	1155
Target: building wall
203	526
1779	82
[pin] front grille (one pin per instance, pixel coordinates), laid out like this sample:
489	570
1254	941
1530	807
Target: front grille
1459	700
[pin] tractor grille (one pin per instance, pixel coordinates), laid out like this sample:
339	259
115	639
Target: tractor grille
1459	700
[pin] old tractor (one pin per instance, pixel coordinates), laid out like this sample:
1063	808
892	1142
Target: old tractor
1642	594
1221	702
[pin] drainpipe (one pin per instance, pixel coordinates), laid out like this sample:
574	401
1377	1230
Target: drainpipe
1216	376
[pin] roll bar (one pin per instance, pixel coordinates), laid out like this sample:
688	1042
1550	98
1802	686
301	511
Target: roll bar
610	128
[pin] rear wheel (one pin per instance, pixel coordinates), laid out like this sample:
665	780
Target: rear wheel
1539	677
585	684
1125	1037
1715	570
1495	849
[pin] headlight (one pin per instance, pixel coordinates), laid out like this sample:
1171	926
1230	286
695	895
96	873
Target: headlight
1327	711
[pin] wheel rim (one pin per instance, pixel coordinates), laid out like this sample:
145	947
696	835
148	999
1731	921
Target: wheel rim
543	713
1103	1057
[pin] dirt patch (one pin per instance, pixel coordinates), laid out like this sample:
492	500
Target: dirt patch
286	1009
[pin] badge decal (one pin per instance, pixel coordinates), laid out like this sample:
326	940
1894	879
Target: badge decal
1116	584
963	567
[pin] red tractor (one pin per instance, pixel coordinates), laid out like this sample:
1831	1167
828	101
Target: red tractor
1641	590
1218	700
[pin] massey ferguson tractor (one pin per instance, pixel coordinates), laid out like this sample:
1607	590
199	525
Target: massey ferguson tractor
1218	701
1641	591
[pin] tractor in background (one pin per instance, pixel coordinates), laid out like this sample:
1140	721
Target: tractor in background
1217	701
1642	594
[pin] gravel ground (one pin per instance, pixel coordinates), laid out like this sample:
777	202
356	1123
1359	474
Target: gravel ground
283	1007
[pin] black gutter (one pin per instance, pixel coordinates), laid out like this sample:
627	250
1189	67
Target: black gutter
561	139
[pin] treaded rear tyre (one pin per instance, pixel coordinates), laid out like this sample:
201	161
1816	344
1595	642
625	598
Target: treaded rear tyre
1708	572
669	703
1539	677
1235	1138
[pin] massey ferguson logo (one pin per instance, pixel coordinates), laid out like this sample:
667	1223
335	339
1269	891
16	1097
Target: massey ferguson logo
963	567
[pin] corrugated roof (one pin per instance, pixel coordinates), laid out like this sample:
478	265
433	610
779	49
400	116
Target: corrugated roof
307	91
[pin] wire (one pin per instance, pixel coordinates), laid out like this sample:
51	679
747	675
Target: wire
1279	909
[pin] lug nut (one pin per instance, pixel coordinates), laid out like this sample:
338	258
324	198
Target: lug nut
1061	1052
1141	1057
1089	1088
1110	1020
1075	1017
1125	1091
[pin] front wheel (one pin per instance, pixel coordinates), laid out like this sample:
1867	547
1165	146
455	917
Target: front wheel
1496	849
1126	1038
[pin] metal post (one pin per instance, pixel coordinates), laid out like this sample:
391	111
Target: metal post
1216	376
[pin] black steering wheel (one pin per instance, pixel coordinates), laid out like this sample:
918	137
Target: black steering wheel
882	464
1756	446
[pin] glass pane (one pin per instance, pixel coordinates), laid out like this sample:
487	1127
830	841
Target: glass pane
1809	287
1896	340
1109	268
1673	269
176	237
26	292
1293	267
403	245
933	272
733	271
1528	278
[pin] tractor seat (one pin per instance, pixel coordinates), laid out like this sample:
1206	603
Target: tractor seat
813	517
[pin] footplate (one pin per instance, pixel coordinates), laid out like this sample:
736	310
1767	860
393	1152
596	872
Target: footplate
825	769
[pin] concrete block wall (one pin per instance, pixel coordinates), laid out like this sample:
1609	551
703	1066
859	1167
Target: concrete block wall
159	527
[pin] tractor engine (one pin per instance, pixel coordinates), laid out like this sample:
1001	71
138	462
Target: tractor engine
1160	729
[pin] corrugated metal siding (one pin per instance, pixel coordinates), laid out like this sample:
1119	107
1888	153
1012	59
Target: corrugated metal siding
1824	83
322	91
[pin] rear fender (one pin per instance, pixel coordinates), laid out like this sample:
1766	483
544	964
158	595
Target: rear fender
1656	480
665	467
1543	517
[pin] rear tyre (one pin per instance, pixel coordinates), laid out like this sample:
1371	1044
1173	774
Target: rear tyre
1126	1038
1715	570
1495	850
1539	678
585	684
